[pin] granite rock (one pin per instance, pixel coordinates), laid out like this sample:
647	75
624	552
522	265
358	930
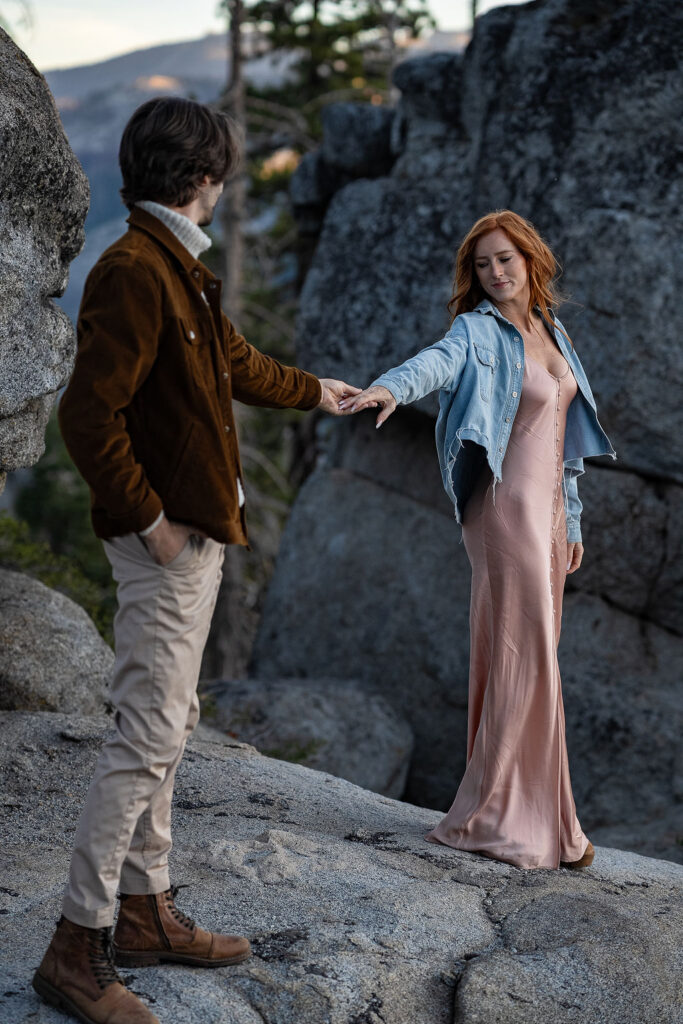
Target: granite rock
352	916
357	139
592	165
337	726
387	611
633	545
43	202
51	656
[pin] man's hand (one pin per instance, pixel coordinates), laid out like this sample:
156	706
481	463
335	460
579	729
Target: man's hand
334	391
167	540
370	399
574	555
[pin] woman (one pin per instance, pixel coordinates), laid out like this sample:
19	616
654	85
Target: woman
517	417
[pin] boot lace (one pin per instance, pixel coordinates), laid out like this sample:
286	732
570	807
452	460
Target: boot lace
170	895
101	958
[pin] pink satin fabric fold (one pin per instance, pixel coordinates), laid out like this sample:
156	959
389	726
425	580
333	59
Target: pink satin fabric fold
515	800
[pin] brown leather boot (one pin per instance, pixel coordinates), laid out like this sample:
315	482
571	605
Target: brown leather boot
151	930
583	862
77	975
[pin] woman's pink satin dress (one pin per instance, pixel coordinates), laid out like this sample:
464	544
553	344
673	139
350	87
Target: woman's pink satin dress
515	800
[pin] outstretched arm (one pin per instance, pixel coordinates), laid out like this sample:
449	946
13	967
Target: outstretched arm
438	366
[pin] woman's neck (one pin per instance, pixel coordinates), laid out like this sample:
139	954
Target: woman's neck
517	312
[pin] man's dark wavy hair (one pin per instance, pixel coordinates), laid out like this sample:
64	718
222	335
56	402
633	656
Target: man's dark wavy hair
169	144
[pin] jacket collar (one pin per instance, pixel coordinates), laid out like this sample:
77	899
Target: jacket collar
486	306
156	229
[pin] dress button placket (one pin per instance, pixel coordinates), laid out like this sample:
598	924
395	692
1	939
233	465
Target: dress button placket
557	484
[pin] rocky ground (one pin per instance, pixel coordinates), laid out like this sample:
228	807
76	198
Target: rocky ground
353	917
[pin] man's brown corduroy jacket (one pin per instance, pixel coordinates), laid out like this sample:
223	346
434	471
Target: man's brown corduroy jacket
147	415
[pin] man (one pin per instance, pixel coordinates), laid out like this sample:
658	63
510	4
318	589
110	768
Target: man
148	420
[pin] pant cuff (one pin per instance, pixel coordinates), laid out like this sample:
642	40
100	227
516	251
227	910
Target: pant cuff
144	885
101	918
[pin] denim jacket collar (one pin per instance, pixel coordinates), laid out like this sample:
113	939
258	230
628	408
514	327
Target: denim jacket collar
486	306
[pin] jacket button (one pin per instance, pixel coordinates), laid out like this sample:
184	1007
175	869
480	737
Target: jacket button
507	419
519	366
192	335
195	273
225	374
514	394
226	428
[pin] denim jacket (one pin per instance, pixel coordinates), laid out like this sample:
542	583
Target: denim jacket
478	367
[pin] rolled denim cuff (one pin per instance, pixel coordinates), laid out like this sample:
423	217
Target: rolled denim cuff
574	531
386	381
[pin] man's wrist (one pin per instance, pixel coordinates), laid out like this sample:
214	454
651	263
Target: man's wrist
148	529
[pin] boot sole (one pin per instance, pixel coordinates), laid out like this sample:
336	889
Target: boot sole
51	995
133	958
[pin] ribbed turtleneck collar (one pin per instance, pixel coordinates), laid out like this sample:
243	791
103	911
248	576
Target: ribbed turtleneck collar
186	231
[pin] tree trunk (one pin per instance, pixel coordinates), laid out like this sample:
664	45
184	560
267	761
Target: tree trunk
235	194
233	627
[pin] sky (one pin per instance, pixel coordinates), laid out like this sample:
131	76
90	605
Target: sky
66	33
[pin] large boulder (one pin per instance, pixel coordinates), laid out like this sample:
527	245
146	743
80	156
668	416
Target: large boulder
564	111
51	656
352	915
341	728
390	614
633	545
43	202
357	139
623	714
553	137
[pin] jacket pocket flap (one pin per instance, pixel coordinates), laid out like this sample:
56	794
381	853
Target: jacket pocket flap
485	355
192	331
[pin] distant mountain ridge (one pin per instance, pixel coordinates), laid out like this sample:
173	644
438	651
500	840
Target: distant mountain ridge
202	60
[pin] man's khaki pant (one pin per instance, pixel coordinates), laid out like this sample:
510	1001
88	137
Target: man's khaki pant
124	834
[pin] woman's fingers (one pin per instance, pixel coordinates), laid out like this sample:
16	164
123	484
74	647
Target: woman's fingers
362	401
368	399
386	412
574	556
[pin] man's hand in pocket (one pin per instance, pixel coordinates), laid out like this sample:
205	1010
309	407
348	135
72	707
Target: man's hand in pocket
167	540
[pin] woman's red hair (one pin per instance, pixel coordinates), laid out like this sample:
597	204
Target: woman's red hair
542	267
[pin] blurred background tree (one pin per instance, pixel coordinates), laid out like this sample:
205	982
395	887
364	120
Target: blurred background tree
334	51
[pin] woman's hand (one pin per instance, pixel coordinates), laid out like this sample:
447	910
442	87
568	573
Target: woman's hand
369	399
574	556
